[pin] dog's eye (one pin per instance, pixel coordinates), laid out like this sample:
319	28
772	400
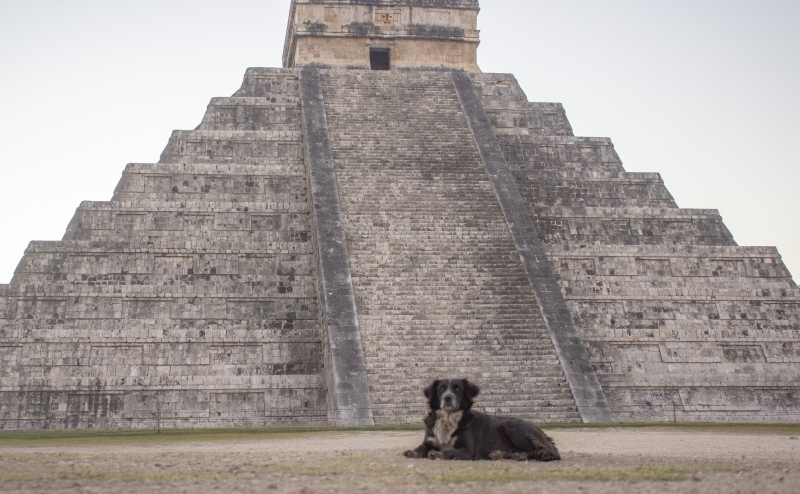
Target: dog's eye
457	389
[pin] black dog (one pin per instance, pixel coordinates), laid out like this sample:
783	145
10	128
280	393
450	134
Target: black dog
455	432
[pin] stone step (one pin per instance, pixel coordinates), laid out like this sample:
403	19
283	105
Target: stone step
216	187
236	136
223	206
510	112
690	263
288	102
196	190
221	384
500	91
283	242
592	176
630	226
253	114
706	312
609	289
436	273
137	180
109	331
240	147
246	247
199	285
527	152
157	306
110	216
231	170
269	83
571	188
88	248
662	251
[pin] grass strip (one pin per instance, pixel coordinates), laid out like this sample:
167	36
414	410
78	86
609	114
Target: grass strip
127	436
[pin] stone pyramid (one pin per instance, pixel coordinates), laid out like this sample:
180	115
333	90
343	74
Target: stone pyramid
376	214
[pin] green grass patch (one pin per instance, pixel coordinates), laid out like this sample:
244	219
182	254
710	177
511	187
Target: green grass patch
129	436
492	472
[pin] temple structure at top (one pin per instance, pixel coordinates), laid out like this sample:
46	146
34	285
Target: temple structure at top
383	35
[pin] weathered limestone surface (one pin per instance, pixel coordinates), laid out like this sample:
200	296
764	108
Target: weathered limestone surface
680	322
440	288
189	297
417	33
572	353
349	401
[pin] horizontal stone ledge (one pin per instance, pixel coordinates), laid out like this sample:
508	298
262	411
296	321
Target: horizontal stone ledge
137	344
661	251
238	135
76	247
197	203
722	341
678	387
580	177
290	74
140	342
669	285
252	249
76	389
212	169
454	34
507	104
792	295
280	101
288	160
196	208
693	288
623	213
32	292
559	140
111	291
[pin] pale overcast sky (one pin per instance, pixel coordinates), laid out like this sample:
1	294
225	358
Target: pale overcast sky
703	91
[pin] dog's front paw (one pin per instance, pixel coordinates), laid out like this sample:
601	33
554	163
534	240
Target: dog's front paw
547	456
435	455
411	453
497	455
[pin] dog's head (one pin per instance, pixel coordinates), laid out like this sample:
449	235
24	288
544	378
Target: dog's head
451	394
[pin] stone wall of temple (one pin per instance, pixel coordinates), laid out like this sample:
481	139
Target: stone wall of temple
417	34
189	299
681	323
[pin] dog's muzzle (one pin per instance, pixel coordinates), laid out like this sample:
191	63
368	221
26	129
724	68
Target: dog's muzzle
449	401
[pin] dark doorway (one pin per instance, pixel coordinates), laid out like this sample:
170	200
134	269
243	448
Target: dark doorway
379	59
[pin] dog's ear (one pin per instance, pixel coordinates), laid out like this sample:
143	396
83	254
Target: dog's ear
432	395
431	390
471	390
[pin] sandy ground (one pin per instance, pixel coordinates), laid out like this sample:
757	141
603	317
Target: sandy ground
595	460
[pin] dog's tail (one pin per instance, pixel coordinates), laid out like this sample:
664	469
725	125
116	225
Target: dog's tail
531	440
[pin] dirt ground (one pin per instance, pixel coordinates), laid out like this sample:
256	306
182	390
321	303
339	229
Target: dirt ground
615	460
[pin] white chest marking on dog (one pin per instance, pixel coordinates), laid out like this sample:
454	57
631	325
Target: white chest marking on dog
446	424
